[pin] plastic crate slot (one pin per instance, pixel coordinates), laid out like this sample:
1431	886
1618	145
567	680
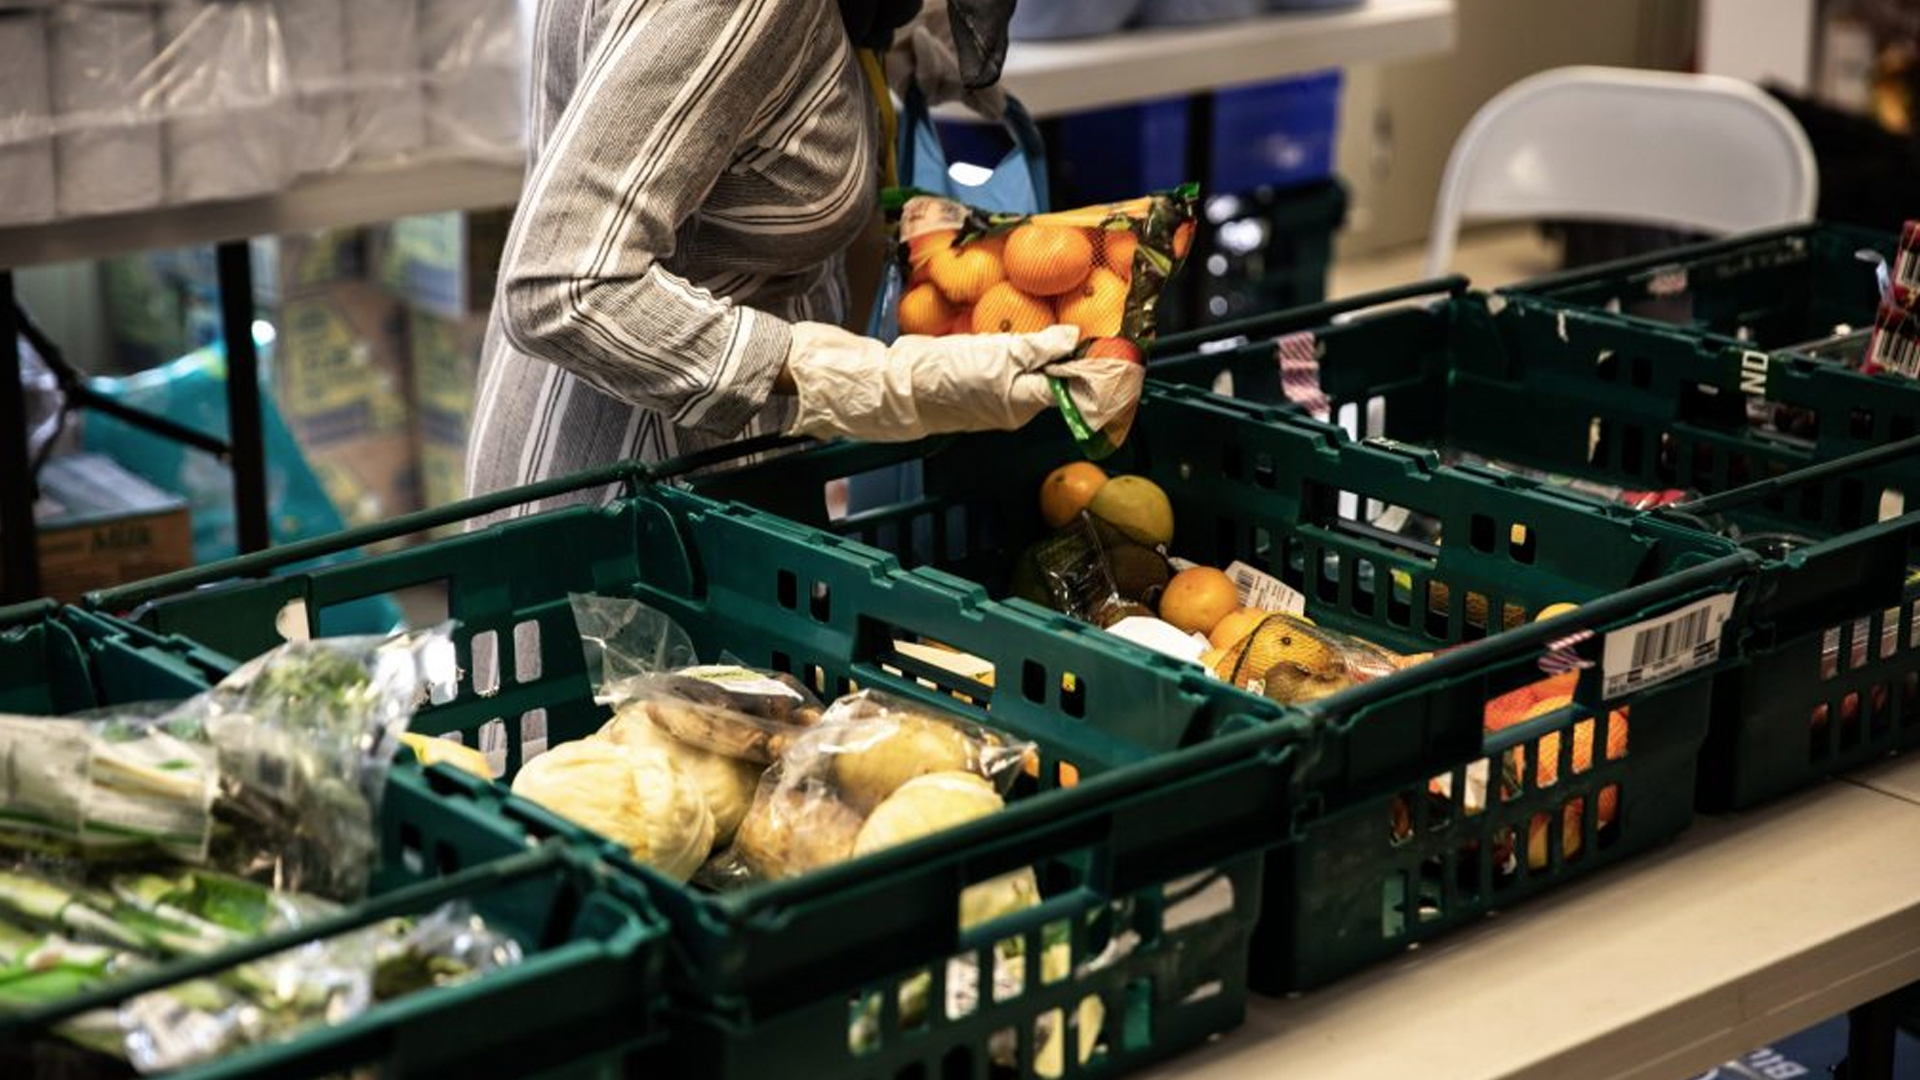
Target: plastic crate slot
1046	1026
526	651
446	858
1913	625
1910	699
1439	619
1812	496
1857	652
1632	449
1073	695
1348	417
1473	799
484	650
1232	465
1900	426
1572	828
1477	609
1376	415
1262	550
1702	468
533	734
413	852
1880	710
1055	935
1393	906
1329	586
886	537
1265	475
1009	970
1850	721
1294	571
1642	372
787	589
1091	1006
1432	904
1196	900
1467	865
1893	503
1583	733
1066	774
918	990
1829	653
1480	533
1739	470
1818	732
865	1035
1512	615
1400	819
1033	682
1889	633
1543	846
780	662
1606	365
963	971
1853	511
1522	544
1399	599
1506	866
1610	833
1860	423
915	1071
1366	586
1226	536
1514	772
957	1064
492	743
820	601
959	540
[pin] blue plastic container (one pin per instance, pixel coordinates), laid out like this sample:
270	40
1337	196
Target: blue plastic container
1279	135
1053	20
1197	12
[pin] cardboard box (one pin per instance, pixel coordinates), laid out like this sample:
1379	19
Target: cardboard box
101	526
445	356
340	377
446	264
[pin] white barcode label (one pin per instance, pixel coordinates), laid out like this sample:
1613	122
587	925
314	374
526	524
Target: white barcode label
1393	519
1895	351
1649	653
1264	591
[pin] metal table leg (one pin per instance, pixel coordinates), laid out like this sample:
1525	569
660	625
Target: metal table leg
249	455
19	541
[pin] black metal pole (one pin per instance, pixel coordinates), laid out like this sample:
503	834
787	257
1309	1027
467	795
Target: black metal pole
1199	171
1871	1039
19	541
249	458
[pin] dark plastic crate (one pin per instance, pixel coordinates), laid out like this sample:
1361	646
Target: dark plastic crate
1261	485
770	974
586	997
1831	676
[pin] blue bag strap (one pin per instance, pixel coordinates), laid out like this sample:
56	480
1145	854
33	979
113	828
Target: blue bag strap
1018	185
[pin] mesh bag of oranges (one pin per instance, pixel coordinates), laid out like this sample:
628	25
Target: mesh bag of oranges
1102	269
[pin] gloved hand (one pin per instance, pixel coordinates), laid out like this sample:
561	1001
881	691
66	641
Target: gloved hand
855	387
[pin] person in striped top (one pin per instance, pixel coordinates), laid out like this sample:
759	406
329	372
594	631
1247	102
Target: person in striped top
675	277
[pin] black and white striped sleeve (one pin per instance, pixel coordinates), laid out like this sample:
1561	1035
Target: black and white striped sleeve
668	97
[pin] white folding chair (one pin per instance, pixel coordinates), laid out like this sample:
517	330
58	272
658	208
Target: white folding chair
1696	152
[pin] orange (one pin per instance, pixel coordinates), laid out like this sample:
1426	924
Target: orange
965	273
920	253
1047	260
1183	239
1198	599
1006	310
1118	252
1234	629
1114	348
924	311
1098	306
1067	490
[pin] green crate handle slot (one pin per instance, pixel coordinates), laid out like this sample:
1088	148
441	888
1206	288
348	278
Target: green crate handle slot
631	473
1273	324
411	900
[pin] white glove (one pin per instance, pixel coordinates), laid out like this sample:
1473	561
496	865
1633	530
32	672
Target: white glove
855	387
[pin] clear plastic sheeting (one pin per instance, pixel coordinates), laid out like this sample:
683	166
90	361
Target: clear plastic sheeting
110	107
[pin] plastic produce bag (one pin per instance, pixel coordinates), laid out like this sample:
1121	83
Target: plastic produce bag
1093	572
875	772
1292	661
1101	269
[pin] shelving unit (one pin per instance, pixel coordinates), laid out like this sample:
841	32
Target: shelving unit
1748	928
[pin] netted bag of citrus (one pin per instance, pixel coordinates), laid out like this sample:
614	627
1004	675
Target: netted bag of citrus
1100	269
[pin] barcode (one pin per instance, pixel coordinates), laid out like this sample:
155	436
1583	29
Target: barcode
1670	639
1896	352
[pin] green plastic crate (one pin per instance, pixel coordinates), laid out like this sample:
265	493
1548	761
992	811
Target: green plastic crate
587	997
1260	485
1780	290
1832	676
771	974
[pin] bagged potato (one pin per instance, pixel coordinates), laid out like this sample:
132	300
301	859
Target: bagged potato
1100	269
